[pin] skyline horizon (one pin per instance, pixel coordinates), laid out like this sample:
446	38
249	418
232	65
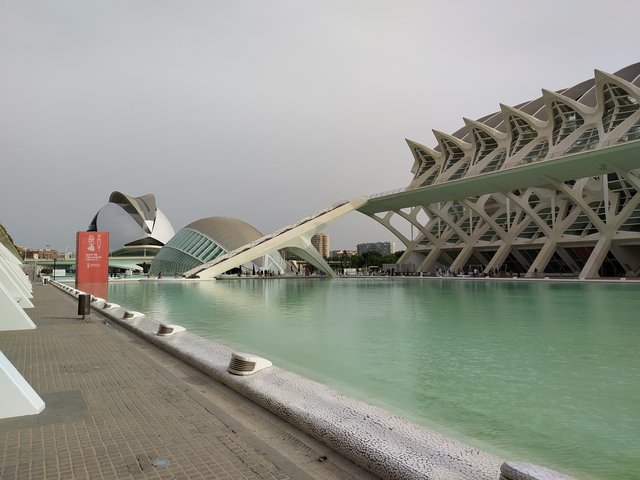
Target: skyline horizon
49	247
70	246
263	112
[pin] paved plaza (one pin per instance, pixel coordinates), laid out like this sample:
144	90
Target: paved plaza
118	407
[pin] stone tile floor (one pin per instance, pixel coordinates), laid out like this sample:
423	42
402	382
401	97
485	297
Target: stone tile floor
116	407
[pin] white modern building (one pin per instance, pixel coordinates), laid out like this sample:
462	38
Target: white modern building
547	187
205	240
136	226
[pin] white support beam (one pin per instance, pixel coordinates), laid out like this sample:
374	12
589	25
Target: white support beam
18	398
12	268
303	248
12	316
593	264
15	288
289	237
542	259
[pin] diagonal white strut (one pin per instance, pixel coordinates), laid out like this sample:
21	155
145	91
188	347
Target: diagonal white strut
296	237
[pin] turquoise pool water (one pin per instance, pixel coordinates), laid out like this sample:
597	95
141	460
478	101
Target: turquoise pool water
544	372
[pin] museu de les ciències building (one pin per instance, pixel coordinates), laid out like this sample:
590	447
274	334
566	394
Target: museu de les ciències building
550	186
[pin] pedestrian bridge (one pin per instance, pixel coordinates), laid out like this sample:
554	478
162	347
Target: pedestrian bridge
295	238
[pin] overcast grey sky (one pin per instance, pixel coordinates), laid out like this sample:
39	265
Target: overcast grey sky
267	111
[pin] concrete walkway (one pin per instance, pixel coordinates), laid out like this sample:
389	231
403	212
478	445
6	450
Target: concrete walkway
117	407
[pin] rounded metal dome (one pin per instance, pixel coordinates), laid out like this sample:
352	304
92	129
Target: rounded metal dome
228	232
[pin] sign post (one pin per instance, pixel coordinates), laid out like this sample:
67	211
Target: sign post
92	262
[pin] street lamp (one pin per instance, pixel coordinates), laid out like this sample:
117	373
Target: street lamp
48	254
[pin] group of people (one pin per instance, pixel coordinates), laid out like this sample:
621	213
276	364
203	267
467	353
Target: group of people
175	275
267	273
492	272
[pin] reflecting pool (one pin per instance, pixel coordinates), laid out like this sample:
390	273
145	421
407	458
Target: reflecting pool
543	372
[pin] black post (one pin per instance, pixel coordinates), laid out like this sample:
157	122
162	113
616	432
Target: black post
54	269
84	304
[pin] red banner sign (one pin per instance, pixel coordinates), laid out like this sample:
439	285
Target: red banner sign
92	262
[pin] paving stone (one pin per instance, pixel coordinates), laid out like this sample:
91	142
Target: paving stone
112	413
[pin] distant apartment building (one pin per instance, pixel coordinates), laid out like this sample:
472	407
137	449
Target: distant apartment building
321	243
339	253
383	248
38	254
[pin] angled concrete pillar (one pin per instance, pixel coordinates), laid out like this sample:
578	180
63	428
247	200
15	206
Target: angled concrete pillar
297	236
628	256
15	287
562	252
303	248
17	398
462	257
499	257
12	316
13	268
590	269
521	259
430	260
541	261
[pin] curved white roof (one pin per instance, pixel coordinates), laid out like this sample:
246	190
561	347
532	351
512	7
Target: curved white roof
230	233
132	221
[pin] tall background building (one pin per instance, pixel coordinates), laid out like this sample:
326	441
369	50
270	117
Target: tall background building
321	243
383	248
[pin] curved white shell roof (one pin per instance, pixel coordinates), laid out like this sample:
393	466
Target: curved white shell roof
131	220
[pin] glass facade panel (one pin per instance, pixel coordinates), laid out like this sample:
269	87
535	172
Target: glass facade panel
426	160
557	265
496	163
521	134
579	226
618	106
529	231
454	239
186	250
537	153
460	172
621	191
565	121
489	236
587	141
485	144
632	224
452	154
632	134
512	265
429	180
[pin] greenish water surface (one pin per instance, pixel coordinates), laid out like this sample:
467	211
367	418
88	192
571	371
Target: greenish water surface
543	372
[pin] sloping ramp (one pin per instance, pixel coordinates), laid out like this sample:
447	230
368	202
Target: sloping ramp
295	237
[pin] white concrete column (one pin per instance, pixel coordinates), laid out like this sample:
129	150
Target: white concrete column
541	261
303	248
605	196
12	316
500	256
593	264
18	398
463	256
430	260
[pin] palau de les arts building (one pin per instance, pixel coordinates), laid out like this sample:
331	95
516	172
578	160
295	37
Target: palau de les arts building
547	187
137	228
